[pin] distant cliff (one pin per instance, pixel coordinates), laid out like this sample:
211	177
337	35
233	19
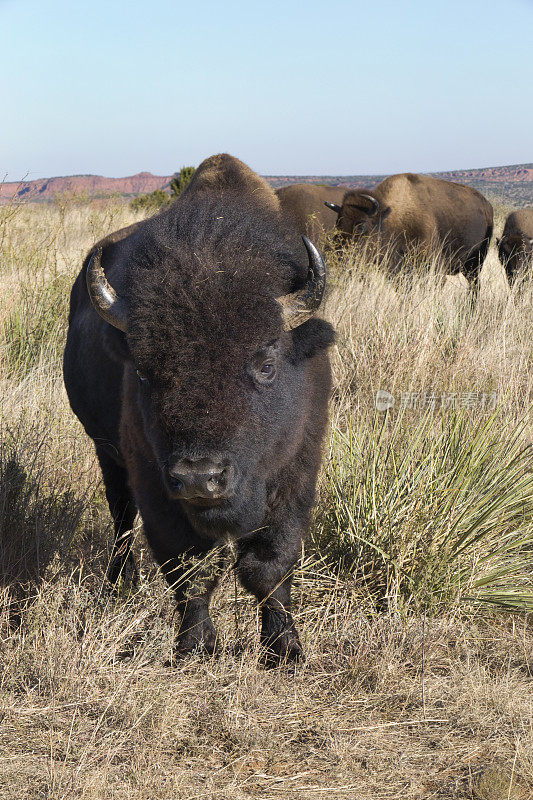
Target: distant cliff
512	184
86	185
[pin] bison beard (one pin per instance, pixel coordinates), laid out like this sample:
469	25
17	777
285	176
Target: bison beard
204	385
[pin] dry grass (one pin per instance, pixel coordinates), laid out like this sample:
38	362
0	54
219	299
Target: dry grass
397	699
90	710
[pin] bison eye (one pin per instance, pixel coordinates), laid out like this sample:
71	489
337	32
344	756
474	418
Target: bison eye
141	377
264	366
267	372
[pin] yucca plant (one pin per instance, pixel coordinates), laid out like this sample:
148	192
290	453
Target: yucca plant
430	514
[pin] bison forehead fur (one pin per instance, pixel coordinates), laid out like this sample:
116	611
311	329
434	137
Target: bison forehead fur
201	310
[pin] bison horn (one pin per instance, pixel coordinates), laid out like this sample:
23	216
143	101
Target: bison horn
106	301
298	306
374	202
334	207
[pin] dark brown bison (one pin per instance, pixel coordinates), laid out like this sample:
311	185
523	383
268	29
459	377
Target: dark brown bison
193	362
310	206
515	248
406	210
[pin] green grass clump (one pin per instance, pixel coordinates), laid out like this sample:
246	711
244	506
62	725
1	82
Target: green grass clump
429	515
33	329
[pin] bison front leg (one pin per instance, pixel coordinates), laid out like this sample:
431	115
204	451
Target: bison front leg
194	576
196	631
265	567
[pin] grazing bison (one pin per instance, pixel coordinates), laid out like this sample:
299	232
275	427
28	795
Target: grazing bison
194	364
406	210
515	248
310	206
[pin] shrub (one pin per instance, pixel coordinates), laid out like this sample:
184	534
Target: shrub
150	202
153	201
180	181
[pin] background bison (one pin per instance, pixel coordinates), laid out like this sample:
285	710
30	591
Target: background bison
515	248
306	206
204	384
406	210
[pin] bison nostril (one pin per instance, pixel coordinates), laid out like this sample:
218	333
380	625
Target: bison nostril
216	481
203	478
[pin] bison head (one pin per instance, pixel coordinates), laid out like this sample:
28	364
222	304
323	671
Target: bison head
515	252
360	213
220	363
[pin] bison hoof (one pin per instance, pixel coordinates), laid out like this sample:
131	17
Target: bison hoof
123	573
284	649
196	637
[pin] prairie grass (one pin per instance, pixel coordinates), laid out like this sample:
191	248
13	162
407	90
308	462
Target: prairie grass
413	596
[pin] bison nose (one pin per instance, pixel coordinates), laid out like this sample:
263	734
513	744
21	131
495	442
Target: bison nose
201	478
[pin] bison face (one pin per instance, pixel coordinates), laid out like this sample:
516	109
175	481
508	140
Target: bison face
360	214
219	383
219	436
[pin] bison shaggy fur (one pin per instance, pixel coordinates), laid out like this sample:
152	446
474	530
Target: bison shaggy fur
205	374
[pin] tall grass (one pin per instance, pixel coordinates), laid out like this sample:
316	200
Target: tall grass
423	514
429	504
42	517
33	328
422	510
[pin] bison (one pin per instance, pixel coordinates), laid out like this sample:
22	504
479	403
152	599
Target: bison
515	248
310	207
194	363
406	210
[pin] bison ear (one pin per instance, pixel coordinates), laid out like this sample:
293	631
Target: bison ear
311	337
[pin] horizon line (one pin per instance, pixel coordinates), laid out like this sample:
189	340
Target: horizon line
525	165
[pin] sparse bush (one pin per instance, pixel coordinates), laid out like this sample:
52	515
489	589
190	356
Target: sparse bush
151	202
180	181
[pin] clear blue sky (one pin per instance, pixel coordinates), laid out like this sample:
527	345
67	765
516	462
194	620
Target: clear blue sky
345	87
